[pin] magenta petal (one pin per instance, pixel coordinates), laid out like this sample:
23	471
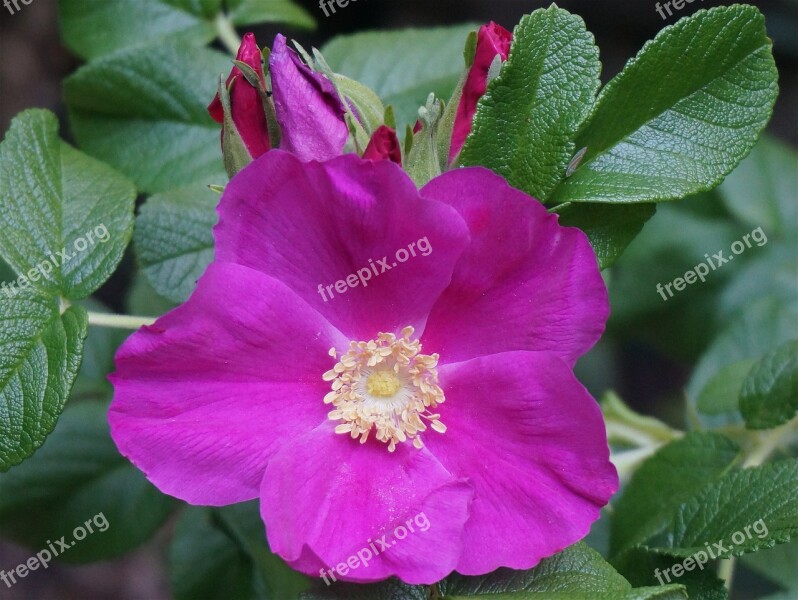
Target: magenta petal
532	442
328	497
524	283
207	394
309	110
314	226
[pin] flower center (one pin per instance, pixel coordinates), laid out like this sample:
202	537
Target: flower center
383	383
386	385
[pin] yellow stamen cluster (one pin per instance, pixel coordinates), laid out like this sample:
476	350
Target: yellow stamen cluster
385	384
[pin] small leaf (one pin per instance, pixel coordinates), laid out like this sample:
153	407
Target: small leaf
722	393
682	114
526	122
77	475
610	228
769	395
174	239
745	511
144	112
66	218
686	465
40	354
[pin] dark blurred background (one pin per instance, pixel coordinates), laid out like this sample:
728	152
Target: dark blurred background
34	63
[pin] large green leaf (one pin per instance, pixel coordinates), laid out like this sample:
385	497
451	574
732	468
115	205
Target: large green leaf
91	29
95	28
682	114
221	554
526	122
174	239
769	395
40	354
672	476
744	511
576	573
66	218
402	66
144	112
76	476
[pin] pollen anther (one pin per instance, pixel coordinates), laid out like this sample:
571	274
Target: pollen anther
385	384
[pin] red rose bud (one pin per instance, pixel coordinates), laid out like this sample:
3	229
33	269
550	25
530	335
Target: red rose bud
248	114
492	40
384	145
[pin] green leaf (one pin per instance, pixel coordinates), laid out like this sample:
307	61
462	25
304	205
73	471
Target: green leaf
751	333
526	122
769	395
666	592
645	568
221	554
391	589
66	218
402	66
610	228
78	476
745	511
92	29
722	393
144	112
672	476
577	569
40	354
249	12
682	114
174	239
763	190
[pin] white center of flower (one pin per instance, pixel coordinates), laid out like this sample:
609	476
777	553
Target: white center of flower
386	385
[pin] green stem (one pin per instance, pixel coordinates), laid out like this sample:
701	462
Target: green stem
119	321
771	441
227	33
726	572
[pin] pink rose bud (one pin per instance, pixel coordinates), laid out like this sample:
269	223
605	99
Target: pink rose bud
492	40
248	113
309	110
384	145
